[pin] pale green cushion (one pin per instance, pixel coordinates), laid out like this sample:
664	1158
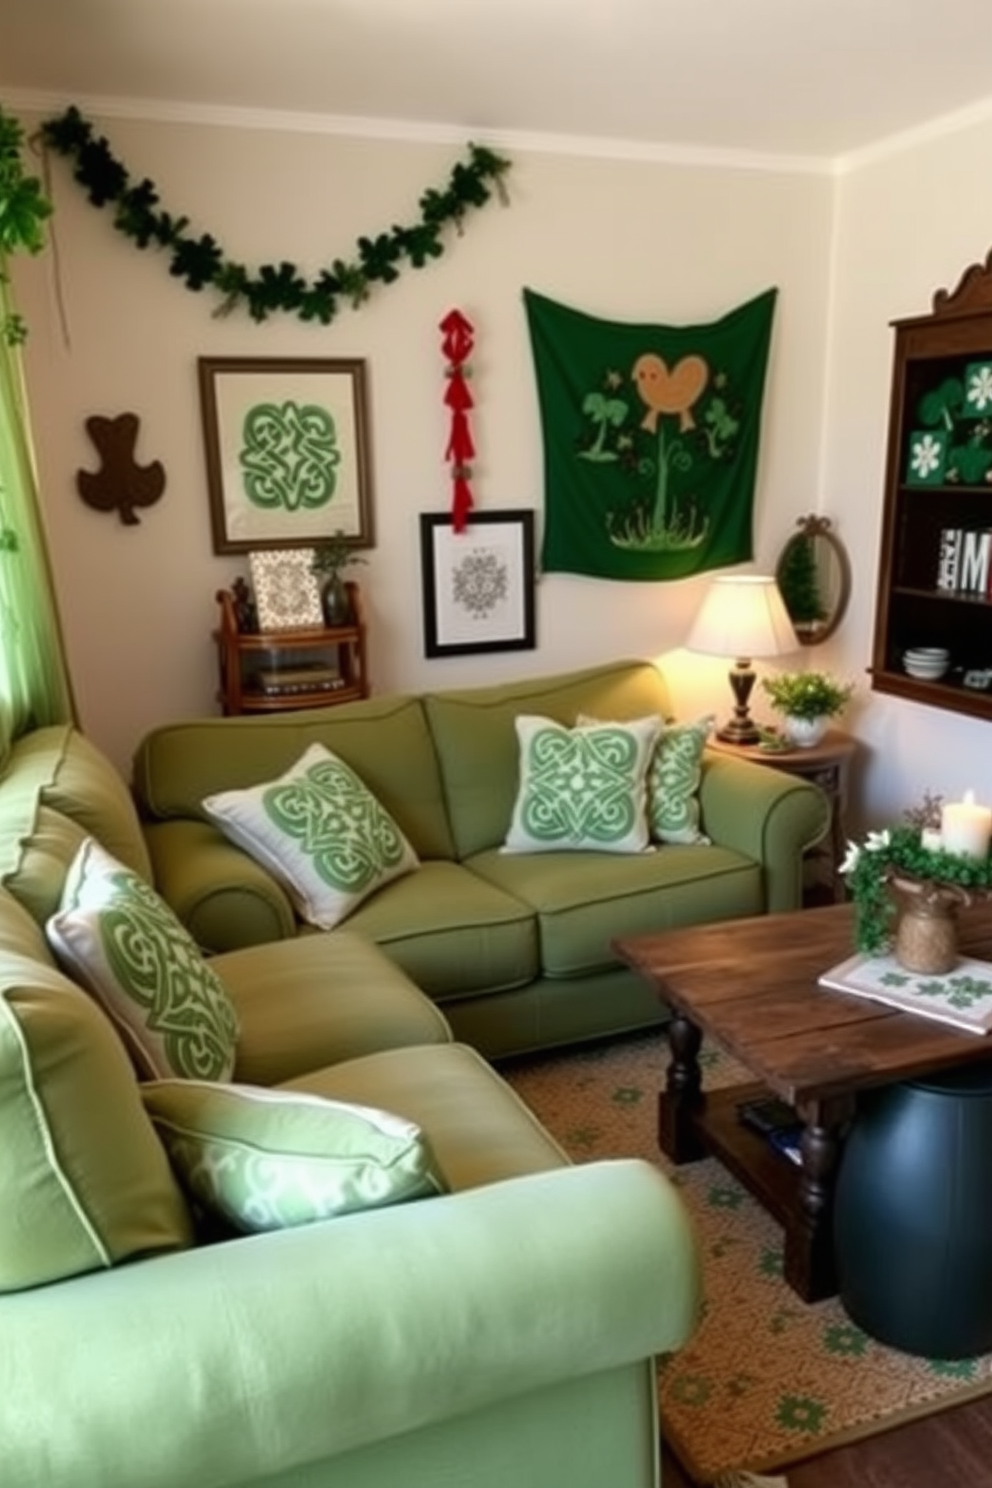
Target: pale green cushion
673	782
47	852
320	831
121	941
270	1159
84	1179
582	789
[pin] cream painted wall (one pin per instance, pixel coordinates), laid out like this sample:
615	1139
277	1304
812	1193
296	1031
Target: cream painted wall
620	239
908	223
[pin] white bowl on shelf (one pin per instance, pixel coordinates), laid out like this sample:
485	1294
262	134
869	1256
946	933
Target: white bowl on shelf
926	663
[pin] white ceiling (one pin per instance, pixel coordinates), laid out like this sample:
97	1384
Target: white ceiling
818	79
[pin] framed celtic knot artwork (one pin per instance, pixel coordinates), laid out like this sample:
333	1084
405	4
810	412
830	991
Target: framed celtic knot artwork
287	452
479	583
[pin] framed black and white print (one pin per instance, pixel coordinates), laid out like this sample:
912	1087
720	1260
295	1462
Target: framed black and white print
478	583
287	452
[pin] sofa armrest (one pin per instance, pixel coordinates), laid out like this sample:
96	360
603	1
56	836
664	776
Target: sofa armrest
260	1355
766	814
224	898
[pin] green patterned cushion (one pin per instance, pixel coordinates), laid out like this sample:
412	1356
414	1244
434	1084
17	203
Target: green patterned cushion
85	1182
320	831
121	941
673	782
269	1159
581	789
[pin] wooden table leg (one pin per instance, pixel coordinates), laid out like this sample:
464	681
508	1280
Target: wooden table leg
808	1262
682	1096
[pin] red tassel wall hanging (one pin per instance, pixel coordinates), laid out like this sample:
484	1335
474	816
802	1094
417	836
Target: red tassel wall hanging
457	341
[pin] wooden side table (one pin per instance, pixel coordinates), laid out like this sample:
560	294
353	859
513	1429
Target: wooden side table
826	764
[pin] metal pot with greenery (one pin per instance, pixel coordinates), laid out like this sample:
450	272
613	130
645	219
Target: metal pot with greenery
330	559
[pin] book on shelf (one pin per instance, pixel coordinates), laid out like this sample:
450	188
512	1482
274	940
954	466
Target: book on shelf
280	681
962	997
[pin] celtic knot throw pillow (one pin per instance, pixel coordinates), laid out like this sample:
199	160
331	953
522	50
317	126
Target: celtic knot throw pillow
320	831
122	942
270	1159
673	782
582	789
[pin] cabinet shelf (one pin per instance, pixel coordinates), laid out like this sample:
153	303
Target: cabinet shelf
275	671
935	560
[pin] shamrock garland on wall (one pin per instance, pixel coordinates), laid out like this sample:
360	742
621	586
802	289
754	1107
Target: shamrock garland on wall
201	262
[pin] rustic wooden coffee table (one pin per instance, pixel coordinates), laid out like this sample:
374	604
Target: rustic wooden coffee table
751	985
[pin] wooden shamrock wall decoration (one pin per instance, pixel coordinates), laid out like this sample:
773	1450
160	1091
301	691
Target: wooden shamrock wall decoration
121	482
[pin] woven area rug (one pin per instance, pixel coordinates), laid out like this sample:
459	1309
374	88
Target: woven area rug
767	1379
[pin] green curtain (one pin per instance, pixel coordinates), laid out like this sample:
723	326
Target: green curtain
34	682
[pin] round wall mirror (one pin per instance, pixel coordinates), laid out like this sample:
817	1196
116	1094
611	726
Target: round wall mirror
814	577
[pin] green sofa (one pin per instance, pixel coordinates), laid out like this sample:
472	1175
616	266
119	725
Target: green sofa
514	948
502	1332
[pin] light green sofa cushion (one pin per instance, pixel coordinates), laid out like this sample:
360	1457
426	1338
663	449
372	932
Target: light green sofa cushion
320	831
318	1000
583	900
452	933
385	740
47	851
479	1130
84	1179
122	942
56	787
475	737
270	1159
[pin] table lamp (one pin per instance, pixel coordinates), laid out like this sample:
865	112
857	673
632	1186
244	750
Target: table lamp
742	616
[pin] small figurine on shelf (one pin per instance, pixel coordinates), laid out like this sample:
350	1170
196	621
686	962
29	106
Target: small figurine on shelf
245	611
329	559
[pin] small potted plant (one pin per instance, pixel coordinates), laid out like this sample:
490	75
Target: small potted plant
330	558
807	702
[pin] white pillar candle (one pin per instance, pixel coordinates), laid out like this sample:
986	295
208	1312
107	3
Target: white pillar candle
931	839
966	827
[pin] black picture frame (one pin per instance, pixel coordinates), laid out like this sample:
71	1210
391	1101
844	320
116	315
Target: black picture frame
478	584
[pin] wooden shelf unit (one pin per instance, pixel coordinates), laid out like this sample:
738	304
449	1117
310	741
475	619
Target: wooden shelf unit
244	656
916	604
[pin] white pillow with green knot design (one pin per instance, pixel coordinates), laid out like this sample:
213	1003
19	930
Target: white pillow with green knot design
582	789
320	831
673	780
119	939
271	1159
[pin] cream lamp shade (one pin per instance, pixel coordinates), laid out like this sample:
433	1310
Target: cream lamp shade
742	616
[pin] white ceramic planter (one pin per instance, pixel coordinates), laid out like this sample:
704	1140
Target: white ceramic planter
805	732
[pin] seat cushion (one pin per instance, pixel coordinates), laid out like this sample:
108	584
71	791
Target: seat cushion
322	998
451	932
270	1159
122	942
583	900
479	1129
85	1181
320	831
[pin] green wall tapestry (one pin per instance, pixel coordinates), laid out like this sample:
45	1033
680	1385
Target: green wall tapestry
650	439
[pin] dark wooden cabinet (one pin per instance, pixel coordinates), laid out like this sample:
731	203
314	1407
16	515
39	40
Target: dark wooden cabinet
272	671
935	563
